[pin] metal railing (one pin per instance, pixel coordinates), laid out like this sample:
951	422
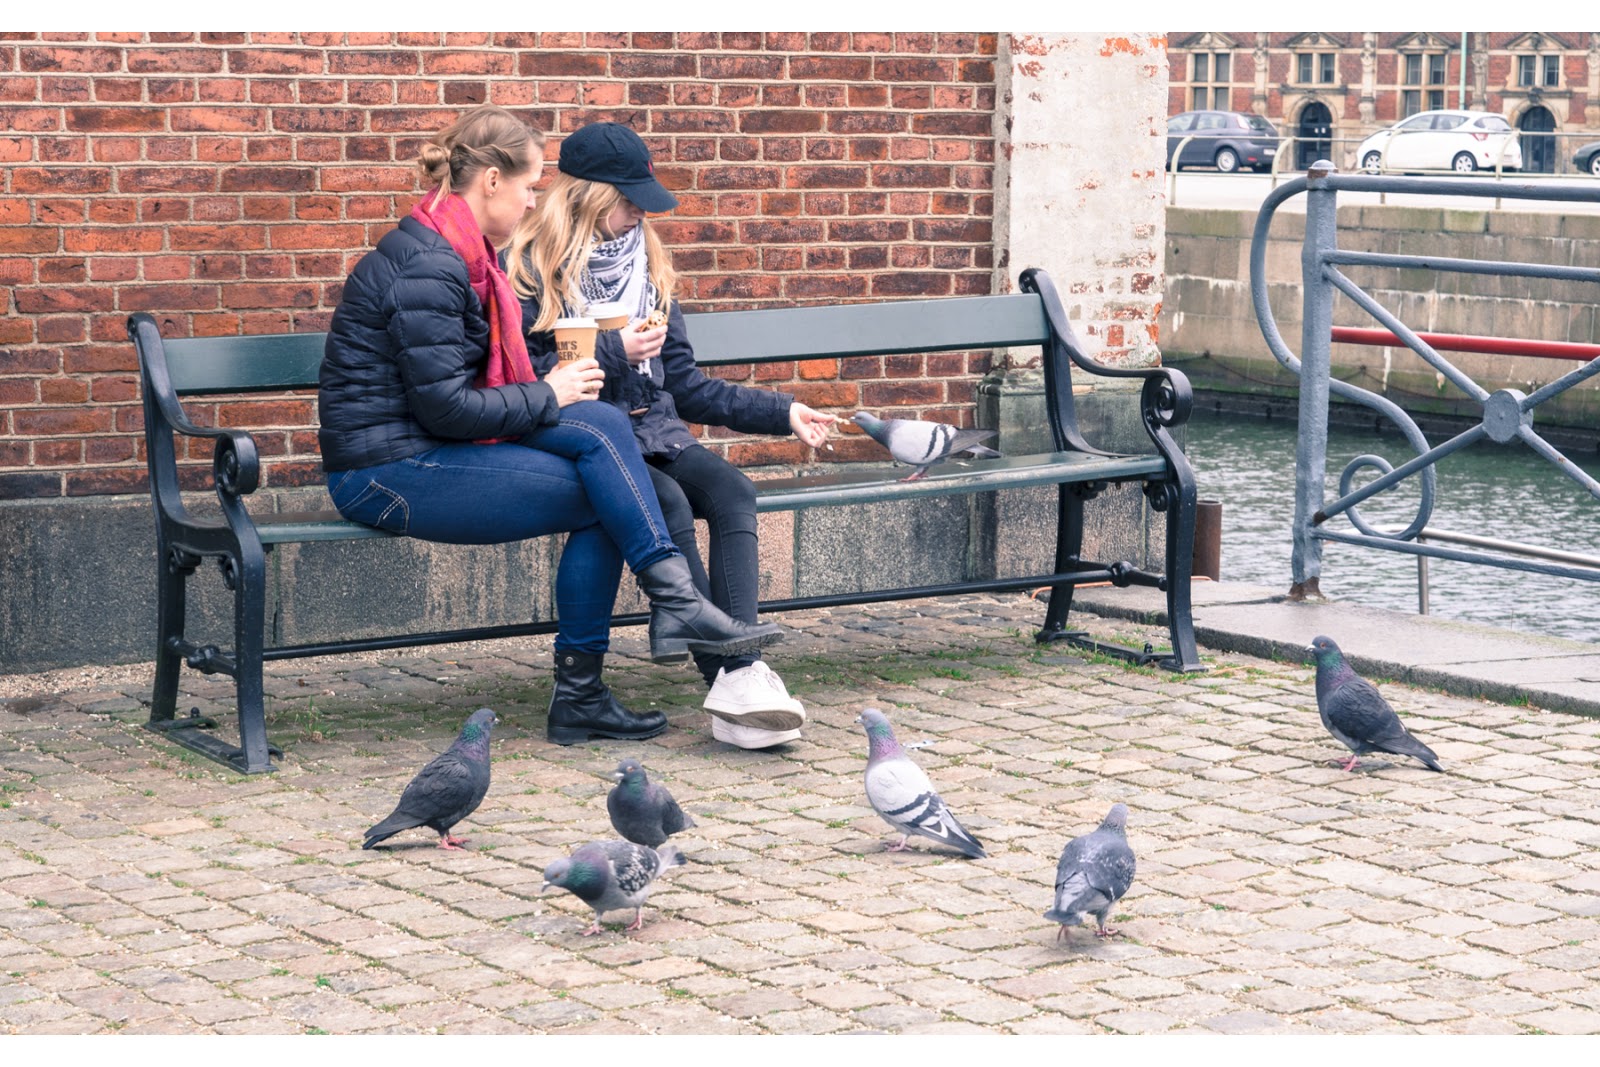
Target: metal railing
1507	414
1505	548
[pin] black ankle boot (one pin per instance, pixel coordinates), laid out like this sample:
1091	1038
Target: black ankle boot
683	621
582	706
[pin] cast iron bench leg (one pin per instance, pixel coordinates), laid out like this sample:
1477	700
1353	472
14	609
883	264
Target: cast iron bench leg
1181	509
172	586
1069	549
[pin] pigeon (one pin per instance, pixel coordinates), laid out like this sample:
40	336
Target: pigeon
1094	872
641	810
1356	714
922	444
447	790
611	876
899	790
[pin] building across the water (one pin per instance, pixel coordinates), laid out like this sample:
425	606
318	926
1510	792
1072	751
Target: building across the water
1329	90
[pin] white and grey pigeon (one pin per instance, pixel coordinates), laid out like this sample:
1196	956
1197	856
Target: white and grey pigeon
921	444
643	811
611	876
1094	871
447	790
1355	712
899	791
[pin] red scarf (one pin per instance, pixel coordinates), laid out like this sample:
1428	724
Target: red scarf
452	219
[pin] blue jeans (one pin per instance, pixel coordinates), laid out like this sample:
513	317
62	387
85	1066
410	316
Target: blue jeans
583	475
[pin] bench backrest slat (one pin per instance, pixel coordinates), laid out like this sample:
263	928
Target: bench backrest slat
270	362
254	364
942	325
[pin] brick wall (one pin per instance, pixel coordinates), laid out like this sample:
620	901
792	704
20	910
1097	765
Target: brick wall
226	183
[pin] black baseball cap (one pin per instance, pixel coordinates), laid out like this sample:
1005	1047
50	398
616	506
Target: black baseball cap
610	152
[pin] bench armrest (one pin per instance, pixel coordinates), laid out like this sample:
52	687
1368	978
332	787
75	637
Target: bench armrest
236	462
1166	399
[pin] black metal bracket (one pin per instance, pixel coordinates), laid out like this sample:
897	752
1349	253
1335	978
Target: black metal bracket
187	730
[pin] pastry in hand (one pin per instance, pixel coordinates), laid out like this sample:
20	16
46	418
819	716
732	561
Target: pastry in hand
657	319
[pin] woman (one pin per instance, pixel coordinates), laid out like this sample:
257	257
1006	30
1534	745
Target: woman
434	425
589	242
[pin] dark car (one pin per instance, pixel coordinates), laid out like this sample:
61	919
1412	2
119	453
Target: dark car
1226	140
1587	158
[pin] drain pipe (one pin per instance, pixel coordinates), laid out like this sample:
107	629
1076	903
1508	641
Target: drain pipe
1461	85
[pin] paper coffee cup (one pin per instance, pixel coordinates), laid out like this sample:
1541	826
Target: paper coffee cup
609	316
574	339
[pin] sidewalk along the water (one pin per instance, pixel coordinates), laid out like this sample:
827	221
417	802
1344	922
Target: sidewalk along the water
1467	659
145	890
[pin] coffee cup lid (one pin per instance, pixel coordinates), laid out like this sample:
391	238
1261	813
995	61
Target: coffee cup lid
568	324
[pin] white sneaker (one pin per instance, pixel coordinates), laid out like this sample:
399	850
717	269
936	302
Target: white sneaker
749	736
754	696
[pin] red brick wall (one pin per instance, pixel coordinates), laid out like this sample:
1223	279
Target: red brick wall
226	182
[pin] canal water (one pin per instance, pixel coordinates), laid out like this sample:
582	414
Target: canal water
1504	492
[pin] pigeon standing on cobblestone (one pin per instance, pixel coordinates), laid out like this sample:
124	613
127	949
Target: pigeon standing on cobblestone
611	876
641	810
1355	712
899	790
922	444
1094	871
447	790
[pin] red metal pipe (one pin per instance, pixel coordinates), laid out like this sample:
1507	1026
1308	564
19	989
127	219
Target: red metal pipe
1456	342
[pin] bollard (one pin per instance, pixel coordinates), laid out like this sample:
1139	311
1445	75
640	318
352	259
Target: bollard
1208	539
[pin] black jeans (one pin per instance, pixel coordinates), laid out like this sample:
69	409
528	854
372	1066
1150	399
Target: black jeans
698	483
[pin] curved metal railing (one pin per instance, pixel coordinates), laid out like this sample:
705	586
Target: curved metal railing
1507	414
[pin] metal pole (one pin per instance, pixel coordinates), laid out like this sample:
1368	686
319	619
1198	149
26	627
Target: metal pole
1311	451
1461	86
1422	582
1208	539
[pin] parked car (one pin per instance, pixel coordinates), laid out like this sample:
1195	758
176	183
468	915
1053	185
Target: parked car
1226	140
1587	158
1462	141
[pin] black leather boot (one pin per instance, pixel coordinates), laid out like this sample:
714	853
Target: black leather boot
683	621
582	707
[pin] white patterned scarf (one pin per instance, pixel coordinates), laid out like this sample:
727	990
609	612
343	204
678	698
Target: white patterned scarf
619	271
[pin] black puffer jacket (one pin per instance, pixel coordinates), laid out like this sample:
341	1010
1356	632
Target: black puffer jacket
406	343
674	390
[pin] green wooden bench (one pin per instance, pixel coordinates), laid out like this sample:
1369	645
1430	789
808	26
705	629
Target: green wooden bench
240	542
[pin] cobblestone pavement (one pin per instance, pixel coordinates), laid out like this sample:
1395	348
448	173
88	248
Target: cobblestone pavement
143	889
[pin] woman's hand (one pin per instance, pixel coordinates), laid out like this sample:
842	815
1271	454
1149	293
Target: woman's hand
640	345
577	380
810	426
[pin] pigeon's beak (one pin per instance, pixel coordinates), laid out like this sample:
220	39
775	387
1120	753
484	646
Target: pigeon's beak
857	719
616	776
544	887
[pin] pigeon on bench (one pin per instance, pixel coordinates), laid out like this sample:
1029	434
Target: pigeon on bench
447	790
1355	712
899	791
1094	872
921	444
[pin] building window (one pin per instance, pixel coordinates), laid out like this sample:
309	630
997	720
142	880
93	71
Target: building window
1410	102
1311	67
1422	68
1525	66
1413	69
1552	71
1435	99
1209	73
1436	69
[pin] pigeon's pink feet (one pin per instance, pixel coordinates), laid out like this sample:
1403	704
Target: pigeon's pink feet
1350	764
638	922
1105	931
595	929
452	844
901	847
1061	934
914	475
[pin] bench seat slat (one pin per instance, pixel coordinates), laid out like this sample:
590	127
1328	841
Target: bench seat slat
859	484
260	363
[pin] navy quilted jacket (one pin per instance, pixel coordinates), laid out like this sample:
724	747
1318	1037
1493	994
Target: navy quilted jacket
405	345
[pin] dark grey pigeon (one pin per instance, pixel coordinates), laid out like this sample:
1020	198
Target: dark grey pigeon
611	876
643	811
447	790
1354	712
921	444
899	790
1094	872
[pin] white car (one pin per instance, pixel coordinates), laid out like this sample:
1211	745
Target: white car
1461	141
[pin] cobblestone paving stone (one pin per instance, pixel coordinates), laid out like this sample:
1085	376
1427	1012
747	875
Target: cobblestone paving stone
145	890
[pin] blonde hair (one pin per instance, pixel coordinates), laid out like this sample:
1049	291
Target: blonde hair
484	137
549	250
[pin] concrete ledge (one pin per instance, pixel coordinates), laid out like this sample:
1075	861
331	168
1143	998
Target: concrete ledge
1462	658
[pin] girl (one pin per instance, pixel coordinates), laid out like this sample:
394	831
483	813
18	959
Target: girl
433	424
589	242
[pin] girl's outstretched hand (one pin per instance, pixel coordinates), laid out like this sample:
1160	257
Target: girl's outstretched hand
575	381
809	425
